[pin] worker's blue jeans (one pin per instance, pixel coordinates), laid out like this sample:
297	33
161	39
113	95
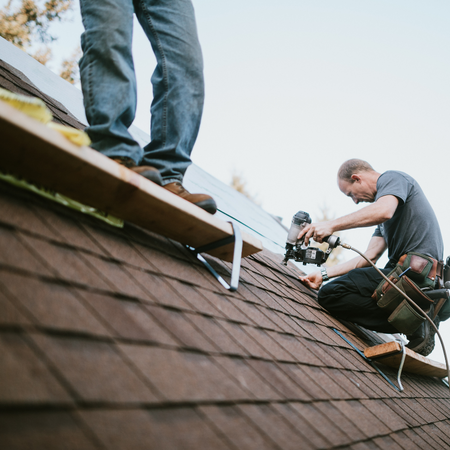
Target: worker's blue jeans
109	82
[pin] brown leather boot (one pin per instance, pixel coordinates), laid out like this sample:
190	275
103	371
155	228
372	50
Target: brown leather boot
201	200
148	172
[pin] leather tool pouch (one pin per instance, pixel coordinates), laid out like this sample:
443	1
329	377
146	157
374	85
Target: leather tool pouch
422	268
403	316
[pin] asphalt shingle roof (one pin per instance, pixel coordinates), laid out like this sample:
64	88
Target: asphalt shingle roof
120	339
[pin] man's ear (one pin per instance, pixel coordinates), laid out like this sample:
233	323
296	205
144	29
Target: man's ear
355	177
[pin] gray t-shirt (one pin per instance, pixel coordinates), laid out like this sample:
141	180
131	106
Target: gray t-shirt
413	227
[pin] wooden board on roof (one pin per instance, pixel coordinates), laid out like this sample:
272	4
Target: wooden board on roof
414	363
33	151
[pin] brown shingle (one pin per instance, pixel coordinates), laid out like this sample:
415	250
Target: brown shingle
363	419
279	379
25	379
366	385
436	434
67	230
117	247
180	269
324	353
385	414
51	305
159	290
69	264
198	301
95	370
280	431
248	378
16	255
249	345
193	377
325	381
344	378
377	382
312	437
422	414
298	348
180	326
10	313
216	334
432	408
19	213
405	442
118	276
319	422
283	322
43	430
129	320
254	315
162	429
444	426
298	374
269	343
402	413
237	427
424	440
228	309
339	420
253	294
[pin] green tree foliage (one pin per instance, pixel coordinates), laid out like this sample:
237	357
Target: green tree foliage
26	23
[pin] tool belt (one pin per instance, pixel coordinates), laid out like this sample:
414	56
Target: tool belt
413	272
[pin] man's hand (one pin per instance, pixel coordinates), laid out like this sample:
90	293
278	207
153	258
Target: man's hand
317	231
313	280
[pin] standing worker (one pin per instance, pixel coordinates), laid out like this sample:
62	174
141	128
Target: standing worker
109	87
407	227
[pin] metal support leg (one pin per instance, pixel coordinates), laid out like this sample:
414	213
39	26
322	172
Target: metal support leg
237	256
370	361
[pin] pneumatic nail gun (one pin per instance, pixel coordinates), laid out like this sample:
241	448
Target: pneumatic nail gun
295	248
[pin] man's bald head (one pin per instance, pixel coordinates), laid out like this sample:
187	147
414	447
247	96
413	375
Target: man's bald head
352	166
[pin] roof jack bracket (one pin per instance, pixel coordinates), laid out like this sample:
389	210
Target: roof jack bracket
237	256
371	362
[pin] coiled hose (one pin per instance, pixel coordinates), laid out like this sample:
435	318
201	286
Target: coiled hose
349	247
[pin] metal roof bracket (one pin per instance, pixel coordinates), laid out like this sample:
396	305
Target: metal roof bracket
236	238
371	362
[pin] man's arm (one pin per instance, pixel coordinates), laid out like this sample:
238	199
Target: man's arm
377	246
380	211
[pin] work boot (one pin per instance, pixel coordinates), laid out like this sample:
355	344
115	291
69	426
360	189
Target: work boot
148	172
201	200
422	340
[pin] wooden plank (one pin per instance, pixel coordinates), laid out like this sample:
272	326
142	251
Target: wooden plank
43	156
414	363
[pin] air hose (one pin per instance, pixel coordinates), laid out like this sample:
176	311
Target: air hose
349	247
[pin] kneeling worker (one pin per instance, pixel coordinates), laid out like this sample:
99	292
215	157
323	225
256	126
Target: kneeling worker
405	223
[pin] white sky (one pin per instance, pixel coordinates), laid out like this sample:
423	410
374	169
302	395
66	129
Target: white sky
296	87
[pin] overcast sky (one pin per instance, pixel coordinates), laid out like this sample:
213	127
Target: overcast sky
295	87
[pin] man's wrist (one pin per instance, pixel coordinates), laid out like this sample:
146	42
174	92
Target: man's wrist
324	273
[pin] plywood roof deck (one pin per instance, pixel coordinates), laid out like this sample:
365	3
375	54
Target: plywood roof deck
414	363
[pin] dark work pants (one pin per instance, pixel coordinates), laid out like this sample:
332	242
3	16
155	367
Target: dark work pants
349	297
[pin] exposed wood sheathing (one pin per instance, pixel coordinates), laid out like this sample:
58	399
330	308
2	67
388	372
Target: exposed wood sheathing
390	354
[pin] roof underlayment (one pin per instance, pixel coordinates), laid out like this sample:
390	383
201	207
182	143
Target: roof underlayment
119	339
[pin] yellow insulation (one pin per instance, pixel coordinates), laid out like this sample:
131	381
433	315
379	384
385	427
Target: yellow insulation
37	109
